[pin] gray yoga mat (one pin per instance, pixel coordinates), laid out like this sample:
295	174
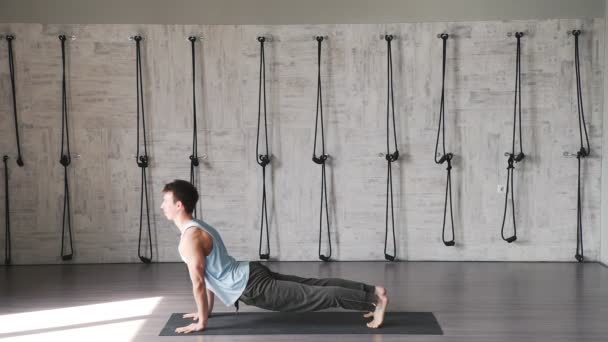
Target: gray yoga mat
305	323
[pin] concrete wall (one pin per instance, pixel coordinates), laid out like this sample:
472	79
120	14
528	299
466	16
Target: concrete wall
479	107
604	212
286	12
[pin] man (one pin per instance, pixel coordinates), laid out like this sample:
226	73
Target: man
214	272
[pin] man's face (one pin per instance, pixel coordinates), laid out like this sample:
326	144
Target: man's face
169	206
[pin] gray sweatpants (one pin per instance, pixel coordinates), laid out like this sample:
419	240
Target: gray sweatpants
278	292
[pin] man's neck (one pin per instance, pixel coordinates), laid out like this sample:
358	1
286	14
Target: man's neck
181	220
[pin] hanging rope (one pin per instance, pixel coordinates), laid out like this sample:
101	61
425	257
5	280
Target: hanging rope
582	152
65	160
323	157
142	160
7	216
390	157
512	158
263	159
445	157
11	66
194	156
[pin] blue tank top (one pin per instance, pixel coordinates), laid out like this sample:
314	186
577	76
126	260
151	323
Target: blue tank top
225	276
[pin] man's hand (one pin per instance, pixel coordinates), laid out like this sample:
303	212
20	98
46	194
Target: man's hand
193	315
190	328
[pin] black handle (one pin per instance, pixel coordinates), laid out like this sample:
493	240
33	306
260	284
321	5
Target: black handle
511	239
324	258
145	260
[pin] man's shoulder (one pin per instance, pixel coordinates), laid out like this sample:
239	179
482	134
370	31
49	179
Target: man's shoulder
194	232
198	239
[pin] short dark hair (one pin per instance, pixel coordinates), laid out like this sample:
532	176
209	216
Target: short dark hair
184	192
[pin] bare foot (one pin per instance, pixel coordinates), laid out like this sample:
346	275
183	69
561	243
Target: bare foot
379	291
381	306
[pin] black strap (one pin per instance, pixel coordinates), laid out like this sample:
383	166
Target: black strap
65	160
263	159
582	152
322	158
445	157
390	157
11	66
7	216
142	160
194	156
512	158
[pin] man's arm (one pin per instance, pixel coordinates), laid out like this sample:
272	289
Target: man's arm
210	300
194	254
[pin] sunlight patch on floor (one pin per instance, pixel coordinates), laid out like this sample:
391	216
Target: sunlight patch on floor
113	321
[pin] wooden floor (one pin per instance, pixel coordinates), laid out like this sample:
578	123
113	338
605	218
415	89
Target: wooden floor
473	301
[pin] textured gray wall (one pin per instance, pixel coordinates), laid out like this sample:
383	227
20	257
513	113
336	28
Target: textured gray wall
286	12
105	180
604	200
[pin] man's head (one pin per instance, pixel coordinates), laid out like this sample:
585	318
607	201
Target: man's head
179	196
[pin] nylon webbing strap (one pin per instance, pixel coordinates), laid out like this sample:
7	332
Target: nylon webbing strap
445	157
322	158
263	159
142	159
390	157
7	216
582	152
512	158
65	160
11	67
194	156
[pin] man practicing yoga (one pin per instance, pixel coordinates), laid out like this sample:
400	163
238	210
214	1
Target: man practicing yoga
215	273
